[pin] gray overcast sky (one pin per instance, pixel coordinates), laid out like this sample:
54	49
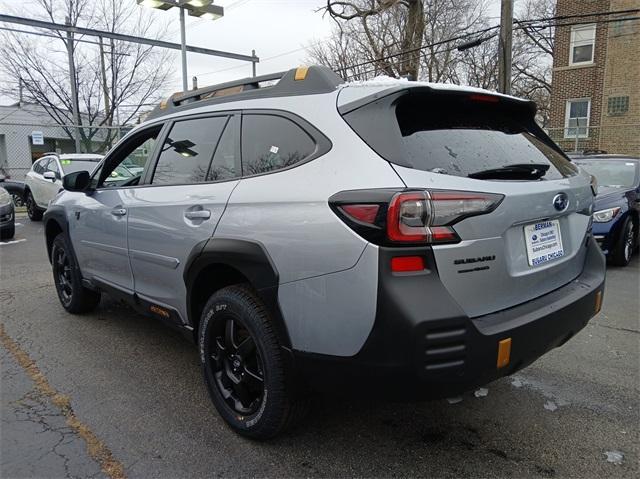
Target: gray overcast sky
274	28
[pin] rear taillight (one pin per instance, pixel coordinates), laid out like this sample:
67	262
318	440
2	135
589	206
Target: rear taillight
392	217
363	213
427	216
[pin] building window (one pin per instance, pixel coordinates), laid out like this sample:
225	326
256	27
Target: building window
576	122
620	28
583	40
617	105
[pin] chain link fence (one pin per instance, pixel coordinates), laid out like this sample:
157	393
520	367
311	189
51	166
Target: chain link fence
22	143
620	139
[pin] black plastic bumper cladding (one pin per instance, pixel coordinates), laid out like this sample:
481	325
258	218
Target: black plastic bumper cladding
423	345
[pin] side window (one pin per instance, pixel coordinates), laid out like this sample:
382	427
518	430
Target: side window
53	166
226	164
271	142
40	165
137	150
187	151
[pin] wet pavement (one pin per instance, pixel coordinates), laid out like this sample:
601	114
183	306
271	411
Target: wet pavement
133	396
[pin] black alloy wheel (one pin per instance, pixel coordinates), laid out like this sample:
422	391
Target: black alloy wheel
247	375
625	243
62	274
73	295
236	365
34	213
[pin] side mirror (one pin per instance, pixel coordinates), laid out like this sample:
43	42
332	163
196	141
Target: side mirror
49	175
76	181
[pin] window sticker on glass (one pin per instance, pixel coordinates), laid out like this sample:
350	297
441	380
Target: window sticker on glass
274	150
65	162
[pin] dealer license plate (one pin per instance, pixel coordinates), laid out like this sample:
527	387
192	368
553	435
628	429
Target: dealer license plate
544	242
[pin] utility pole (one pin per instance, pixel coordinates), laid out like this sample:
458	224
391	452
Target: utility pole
253	63
183	47
505	47
105	86
74	89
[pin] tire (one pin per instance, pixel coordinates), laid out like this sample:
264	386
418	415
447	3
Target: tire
247	376
18	199
625	244
8	233
73	296
34	213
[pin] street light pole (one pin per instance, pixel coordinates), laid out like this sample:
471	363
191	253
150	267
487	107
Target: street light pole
183	45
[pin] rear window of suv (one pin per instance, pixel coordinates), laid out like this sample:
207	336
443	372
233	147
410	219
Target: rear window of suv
459	134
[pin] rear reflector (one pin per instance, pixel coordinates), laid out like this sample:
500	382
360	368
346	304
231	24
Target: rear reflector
365	213
404	264
598	301
504	353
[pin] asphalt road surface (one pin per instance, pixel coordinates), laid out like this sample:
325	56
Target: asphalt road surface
115	394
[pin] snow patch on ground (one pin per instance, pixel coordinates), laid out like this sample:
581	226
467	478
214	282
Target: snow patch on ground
12	242
550	406
454	400
517	383
614	457
481	392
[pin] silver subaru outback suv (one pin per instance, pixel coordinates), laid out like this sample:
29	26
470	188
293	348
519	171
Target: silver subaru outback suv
385	238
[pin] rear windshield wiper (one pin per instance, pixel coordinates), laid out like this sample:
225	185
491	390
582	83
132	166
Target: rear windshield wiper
525	171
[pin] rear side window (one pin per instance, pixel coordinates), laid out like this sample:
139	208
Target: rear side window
187	151
271	142
226	164
459	135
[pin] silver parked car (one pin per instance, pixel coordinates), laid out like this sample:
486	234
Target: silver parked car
392	238
7	215
44	179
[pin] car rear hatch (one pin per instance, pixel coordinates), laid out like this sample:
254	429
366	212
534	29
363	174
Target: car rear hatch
532	239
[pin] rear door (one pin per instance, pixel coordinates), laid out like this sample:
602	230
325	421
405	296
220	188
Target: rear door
179	208
534	241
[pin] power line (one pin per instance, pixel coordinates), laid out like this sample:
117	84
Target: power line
261	61
529	24
40	34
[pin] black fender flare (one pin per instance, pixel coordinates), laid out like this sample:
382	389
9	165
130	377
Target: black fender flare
249	258
58	215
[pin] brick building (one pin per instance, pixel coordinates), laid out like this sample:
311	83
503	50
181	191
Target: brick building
595	102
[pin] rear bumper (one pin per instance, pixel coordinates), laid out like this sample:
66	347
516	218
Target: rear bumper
423	346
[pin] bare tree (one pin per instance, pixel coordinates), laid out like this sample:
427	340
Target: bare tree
382	24
533	55
370	38
106	80
374	37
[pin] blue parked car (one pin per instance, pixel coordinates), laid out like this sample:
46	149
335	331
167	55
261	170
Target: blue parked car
616	217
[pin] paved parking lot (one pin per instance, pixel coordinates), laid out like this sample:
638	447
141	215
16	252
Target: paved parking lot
116	394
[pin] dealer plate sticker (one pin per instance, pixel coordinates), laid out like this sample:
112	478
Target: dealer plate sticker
544	242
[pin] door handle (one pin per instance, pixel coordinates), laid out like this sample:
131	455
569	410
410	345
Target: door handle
118	211
197	214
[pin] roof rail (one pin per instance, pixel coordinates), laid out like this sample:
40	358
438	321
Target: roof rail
298	81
